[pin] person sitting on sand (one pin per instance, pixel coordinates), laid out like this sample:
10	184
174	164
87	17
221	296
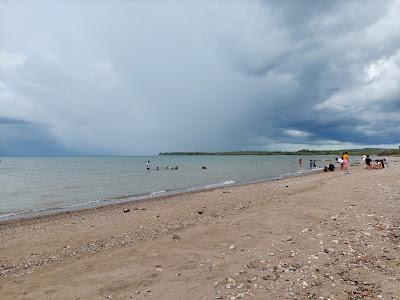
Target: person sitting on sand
382	163
368	162
385	162
329	168
378	164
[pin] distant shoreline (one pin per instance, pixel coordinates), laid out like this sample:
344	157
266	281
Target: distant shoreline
370	151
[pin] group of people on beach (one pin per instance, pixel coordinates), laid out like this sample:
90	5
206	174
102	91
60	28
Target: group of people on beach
376	164
344	161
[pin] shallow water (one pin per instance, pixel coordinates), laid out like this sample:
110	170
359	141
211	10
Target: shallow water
41	184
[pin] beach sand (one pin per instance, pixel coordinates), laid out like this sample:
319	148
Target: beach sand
321	236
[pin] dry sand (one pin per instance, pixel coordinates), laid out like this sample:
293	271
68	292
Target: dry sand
323	236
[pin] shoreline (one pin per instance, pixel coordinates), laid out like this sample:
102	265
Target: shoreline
98	204
327	235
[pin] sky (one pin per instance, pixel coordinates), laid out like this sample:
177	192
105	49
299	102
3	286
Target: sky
142	77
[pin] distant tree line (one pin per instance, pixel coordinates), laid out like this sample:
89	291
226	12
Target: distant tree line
370	151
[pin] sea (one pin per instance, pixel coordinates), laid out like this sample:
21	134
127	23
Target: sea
31	186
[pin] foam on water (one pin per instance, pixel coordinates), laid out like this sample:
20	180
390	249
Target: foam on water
157	193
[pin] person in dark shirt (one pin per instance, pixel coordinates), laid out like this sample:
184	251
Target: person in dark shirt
368	161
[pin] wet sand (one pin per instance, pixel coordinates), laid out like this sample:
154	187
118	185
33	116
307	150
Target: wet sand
326	235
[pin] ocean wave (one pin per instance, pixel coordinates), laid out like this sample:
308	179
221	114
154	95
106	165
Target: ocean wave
158	193
50	210
214	185
297	173
13	214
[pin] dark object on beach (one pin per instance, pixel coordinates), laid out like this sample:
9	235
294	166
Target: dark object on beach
286	186
176	167
329	168
126	210
204	167
200	212
176	237
368	161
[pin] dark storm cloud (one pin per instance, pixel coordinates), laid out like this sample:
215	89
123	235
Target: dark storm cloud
4	120
144	77
18	137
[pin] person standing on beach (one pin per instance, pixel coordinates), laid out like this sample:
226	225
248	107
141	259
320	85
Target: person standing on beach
148	165
340	160
301	163
346	162
364	157
311	164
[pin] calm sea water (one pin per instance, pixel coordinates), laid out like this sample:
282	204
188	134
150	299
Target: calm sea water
29	185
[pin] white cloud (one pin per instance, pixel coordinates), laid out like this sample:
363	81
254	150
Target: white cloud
297	133
380	82
10	59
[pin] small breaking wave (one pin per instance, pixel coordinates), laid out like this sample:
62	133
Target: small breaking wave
158	193
211	186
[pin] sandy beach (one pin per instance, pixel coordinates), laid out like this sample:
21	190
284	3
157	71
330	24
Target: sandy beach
320	236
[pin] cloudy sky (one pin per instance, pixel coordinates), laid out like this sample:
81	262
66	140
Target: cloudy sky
140	77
